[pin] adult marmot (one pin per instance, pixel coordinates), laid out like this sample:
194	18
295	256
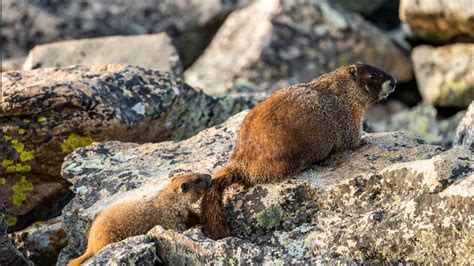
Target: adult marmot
170	208
294	128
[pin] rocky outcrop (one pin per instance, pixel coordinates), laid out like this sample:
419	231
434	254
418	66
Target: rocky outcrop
439	20
271	44
9	254
444	74
423	121
190	23
153	51
465	131
47	113
41	242
395	198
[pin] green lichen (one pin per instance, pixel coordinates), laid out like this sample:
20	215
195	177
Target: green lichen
19	189
454	93
11	220
3	181
6	138
19	168
127	92
21	131
270	217
6	163
17	145
75	141
84	228
27	155
26	120
41	119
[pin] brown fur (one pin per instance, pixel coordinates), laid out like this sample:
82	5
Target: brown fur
170	208
293	129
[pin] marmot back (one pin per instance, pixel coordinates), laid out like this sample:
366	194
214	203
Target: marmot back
170	208
293	129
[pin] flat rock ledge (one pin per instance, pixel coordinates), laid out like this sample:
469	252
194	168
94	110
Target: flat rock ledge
394	199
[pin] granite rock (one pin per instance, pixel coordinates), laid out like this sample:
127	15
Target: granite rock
271	44
444	74
153	51
439	20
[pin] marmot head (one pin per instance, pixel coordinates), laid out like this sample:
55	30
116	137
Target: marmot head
191	185
375	83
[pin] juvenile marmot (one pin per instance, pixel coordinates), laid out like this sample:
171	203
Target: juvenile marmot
170	208
294	128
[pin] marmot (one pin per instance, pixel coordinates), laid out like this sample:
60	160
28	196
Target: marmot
170	208
294	128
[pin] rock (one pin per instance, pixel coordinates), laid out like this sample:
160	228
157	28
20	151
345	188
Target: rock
47	113
153	51
12	64
439	20
137	250
465	131
271	44
380	202
365	7
444	74
422	120
42	242
190	23
9	254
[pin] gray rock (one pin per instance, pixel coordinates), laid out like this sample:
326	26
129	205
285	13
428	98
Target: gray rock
465	131
137	250
439	20
271	44
444	74
47	113
41	242
12	64
9	254
153	51
189	23
422	120
380	202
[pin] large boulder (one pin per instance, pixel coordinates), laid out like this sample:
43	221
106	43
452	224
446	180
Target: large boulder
465	130
190	23
271	44
444	74
47	113
153	51
439	20
9	254
388	201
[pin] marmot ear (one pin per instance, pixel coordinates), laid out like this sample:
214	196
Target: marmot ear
353	71
184	187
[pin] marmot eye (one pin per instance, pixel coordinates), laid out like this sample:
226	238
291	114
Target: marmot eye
373	76
197	181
